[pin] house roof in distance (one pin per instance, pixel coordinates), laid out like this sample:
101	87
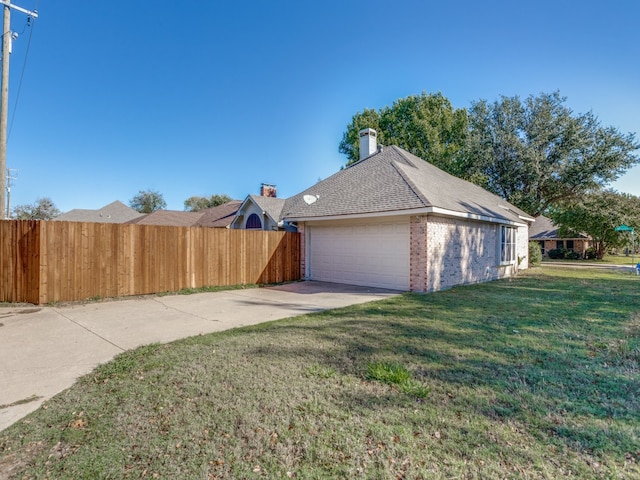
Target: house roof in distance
169	218
220	216
115	212
393	181
545	229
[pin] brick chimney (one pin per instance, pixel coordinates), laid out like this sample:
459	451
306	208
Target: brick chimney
267	190
368	142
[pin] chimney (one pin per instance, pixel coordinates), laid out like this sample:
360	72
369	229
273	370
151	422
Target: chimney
267	190
368	142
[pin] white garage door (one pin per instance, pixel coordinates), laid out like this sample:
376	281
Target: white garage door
373	254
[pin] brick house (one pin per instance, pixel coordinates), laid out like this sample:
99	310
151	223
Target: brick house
545	233
393	220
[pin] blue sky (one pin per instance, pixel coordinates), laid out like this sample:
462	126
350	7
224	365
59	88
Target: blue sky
203	97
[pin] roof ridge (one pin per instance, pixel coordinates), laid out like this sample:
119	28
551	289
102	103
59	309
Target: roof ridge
414	188
360	160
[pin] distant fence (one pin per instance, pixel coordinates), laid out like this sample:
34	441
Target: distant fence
42	262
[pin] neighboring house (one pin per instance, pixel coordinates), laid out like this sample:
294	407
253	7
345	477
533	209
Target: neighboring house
215	217
220	216
393	220
115	212
172	218
545	233
262	212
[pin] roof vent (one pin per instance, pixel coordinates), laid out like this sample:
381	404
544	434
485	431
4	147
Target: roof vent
368	142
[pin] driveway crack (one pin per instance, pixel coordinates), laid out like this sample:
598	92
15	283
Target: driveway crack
89	330
184	312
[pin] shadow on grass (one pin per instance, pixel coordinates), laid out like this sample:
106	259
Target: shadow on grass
549	358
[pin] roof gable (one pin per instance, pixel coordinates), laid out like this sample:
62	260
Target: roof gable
271	206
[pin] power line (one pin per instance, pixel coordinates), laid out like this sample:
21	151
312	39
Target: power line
7	6
30	23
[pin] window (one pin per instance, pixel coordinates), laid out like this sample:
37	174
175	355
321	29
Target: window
570	245
507	244
559	243
541	242
253	221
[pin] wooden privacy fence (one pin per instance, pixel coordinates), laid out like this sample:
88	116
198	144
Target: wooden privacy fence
42	262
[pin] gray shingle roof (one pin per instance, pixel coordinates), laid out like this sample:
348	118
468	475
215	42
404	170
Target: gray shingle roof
115	212
545	229
220	216
173	218
394	180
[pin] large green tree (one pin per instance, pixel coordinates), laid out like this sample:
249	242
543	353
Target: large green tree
533	153
148	201
41	209
197	203
426	125
598	214
536	153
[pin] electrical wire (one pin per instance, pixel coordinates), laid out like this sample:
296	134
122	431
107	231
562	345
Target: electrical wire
31	23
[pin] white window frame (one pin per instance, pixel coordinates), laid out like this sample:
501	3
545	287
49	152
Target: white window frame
507	245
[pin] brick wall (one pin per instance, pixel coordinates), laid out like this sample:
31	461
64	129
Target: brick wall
579	245
522	248
446	252
461	252
418	278
303	250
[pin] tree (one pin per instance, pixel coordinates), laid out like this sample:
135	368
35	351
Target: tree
41	209
538	153
147	201
425	125
196	203
598	214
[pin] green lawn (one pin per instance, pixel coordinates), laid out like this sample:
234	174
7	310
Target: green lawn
622	259
608	259
536	377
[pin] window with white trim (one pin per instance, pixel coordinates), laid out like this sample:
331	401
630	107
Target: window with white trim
507	244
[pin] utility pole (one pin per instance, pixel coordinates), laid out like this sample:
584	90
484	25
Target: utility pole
4	93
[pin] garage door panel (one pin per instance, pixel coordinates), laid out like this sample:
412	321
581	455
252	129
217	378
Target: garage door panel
371	254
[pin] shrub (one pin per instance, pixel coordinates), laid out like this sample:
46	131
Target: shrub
572	255
535	254
557	253
590	254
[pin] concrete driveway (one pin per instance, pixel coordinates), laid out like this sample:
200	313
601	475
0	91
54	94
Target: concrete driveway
43	350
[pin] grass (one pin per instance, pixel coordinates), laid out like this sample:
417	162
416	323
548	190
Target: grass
535	377
630	260
184	291
398	376
208	289
622	259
